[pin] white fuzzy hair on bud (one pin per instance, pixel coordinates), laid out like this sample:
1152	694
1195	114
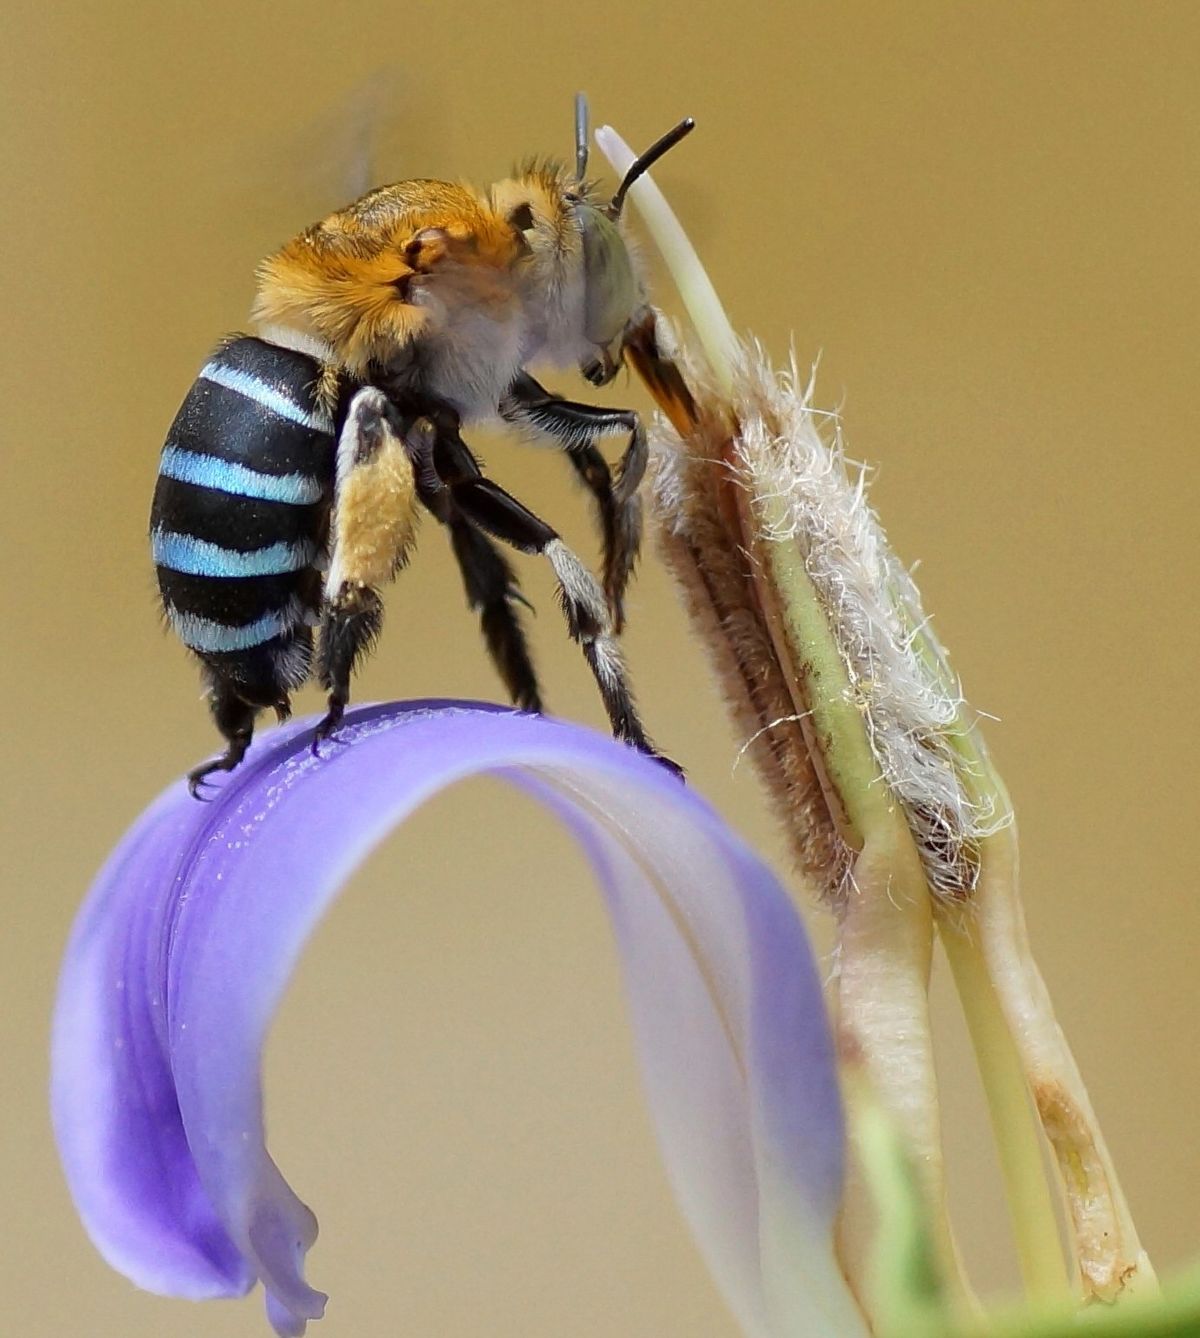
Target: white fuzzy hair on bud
785	450
911	706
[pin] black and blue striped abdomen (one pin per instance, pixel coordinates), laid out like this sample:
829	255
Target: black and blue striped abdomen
241	511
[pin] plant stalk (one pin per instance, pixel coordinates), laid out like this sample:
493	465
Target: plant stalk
1031	1206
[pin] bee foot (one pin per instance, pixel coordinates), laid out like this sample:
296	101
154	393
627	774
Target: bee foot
198	776
327	729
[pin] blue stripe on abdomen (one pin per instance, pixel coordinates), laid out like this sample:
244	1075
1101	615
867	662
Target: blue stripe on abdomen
198	557
213	638
269	397
207	471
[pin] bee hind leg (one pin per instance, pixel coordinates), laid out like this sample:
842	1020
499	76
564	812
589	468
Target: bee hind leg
371	534
234	717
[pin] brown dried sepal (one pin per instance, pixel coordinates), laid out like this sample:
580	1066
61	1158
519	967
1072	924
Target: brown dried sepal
699	536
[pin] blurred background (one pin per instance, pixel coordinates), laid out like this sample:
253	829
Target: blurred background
980	217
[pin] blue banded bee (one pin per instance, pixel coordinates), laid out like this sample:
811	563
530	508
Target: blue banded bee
291	479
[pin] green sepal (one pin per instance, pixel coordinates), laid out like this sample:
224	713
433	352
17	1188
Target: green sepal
1174	1314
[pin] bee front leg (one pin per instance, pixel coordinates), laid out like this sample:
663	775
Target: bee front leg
576	428
371	534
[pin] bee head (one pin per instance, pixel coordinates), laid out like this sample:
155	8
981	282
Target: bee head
577	264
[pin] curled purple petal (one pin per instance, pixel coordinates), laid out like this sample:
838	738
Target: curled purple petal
187	941
115	1108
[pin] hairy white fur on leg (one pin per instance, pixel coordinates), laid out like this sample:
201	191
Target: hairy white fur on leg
580	589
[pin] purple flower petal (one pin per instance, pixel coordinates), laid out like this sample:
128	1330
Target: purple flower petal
186	943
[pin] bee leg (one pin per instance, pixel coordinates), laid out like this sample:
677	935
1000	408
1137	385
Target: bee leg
490	582
491	586
371	534
489	507
620	528
350	626
234	717
576	427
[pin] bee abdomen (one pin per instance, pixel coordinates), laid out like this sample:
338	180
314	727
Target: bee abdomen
240	514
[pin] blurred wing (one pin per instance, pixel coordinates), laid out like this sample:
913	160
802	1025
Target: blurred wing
383	129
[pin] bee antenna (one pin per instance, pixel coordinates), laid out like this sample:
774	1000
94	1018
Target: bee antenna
581	135
647	161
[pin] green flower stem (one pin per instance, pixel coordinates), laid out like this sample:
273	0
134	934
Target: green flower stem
1173	1314
1031	1206
1105	1243
863	806
996	970
1014	1123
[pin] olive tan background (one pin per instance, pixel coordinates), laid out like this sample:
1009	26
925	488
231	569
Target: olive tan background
982	217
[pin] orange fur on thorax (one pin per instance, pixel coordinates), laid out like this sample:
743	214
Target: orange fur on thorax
348	280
